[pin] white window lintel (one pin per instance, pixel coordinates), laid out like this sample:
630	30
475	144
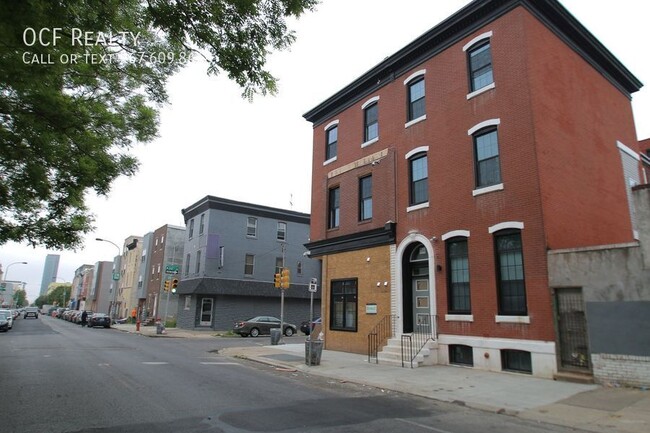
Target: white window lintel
479	38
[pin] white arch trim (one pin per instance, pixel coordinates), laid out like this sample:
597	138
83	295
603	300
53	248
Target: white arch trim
370	101
416	150
483	124
454	234
506	225
479	38
332	123
414	75
408	240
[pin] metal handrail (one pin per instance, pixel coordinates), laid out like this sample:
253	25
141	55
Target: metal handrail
413	343
379	335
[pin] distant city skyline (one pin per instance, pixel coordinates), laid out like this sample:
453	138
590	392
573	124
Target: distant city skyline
50	272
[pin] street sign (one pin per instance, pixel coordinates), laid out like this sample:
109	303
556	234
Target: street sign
171	269
116	276
313	287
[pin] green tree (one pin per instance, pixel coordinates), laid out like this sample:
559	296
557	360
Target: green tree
55	296
40	301
81	81
20	298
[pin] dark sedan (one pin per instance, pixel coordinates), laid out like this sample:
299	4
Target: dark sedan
306	329
4	322
261	325
99	319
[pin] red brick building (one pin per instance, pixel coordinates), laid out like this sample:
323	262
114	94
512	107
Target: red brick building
443	176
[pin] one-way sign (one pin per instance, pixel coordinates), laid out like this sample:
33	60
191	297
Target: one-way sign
171	269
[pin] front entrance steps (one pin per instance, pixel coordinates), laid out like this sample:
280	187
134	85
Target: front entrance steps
391	354
574	377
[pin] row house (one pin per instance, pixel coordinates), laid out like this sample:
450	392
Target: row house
98	298
444	176
127	296
81	283
232	251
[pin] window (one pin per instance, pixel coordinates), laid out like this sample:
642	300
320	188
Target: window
418	172
191	230
416	99
332	138
278	265
251	227
249	264
344	305
198	262
299	268
222	256
458	276
461	355
282	231
480	66
201	224
365	198
486	153
333	208
510	273
371	122
187	264
516	360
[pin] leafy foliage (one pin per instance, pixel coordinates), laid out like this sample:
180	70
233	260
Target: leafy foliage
81	82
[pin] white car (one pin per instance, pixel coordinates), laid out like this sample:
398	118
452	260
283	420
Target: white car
10	317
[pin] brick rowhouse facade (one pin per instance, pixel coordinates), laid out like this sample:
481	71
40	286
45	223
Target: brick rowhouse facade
559	108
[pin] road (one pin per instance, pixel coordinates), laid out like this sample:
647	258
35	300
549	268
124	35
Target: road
59	377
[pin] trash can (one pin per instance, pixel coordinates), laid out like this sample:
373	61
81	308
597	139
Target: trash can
313	351
275	336
159	328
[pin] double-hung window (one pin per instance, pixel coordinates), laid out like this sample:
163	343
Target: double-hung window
332	138
510	273
418	177
480	65
249	264
333	210
190	231
416	108
282	231
486	153
343	307
251	227
371	122
458	276
365	198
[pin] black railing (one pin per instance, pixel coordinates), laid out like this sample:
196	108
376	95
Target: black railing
413	343
379	335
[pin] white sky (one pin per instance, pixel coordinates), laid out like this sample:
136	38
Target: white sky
211	142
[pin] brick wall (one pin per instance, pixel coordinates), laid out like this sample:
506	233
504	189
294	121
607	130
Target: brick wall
627	370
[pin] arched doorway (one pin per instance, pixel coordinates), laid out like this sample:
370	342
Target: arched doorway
416	293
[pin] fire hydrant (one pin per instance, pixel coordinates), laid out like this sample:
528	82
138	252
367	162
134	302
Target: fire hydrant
137	325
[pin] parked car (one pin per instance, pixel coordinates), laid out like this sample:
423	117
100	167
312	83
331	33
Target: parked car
261	325
99	319
31	312
306	329
10	317
4	322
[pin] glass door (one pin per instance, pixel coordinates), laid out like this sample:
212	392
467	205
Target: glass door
206	312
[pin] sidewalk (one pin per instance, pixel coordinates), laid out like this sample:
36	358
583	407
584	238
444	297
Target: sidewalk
590	407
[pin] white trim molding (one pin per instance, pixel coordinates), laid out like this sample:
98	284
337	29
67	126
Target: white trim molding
479	38
627	150
417	207
417	150
512	319
414	121
454	234
483	124
415	75
329	161
369	142
486	189
332	123
459	317
369	102
506	225
481	90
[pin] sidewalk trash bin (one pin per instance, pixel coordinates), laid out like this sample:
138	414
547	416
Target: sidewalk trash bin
275	336
313	351
160	328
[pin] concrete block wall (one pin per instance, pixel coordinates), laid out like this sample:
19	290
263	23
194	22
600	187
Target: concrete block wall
625	370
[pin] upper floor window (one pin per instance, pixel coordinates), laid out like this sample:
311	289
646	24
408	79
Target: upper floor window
198	262
278	264
191	230
331	138
371	122
187	264
418	176
479	59
365	198
333	214
486	155
458	276
251	227
416	107
282	231
202	224
510	273
249	264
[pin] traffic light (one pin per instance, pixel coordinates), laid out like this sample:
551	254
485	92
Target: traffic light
166	285
285	278
276	280
174	285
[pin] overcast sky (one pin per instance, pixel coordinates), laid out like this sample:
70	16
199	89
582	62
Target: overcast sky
211	142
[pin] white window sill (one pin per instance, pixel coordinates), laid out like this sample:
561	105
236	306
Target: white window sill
512	319
417	207
479	91
459	317
369	142
329	161
414	121
487	189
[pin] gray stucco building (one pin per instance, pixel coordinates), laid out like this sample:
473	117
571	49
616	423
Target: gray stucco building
232	251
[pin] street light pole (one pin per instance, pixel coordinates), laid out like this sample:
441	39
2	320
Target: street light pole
11	264
119	253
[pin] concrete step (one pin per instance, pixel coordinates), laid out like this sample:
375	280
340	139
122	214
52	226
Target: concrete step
574	377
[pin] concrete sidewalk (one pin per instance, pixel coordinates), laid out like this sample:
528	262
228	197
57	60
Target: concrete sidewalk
590	407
